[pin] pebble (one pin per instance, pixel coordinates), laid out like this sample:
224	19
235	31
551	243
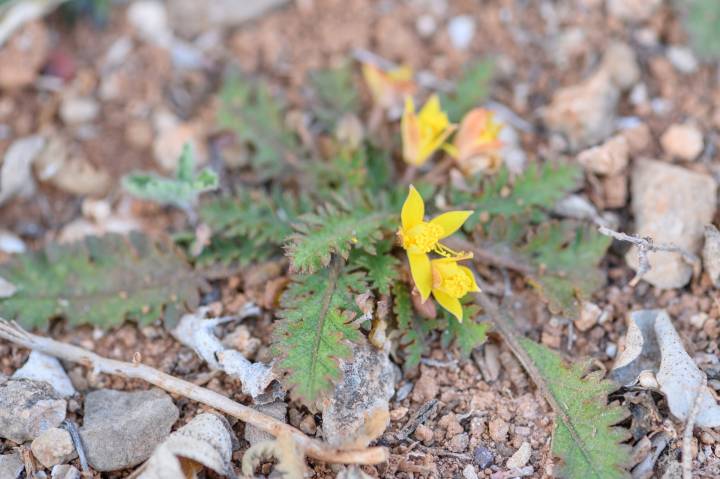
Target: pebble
682	140
498	429
53	447
483	457
10	466
7	289
359	410
277	409
610	158
78	110
520	458
16	178
459	443
450	423
711	254
589	315
121	429
426	388
28	408
671	204
65	471
632	10
683	59
424	434
469	472
611	350
426	25
10	243
41	367
461	30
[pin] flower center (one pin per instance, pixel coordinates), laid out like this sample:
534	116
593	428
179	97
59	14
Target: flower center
422	238
454	283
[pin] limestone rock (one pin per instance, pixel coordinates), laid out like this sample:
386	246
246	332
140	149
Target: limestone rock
28	408
53	447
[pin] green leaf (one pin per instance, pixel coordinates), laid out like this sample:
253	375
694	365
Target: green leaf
566	255
334	229
703	23
537	187
466	335
181	191
584	437
100	281
256	119
471	90
334	94
414	331
314	332
382	268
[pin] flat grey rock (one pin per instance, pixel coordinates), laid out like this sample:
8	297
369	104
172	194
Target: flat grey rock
10	466
28	408
121	429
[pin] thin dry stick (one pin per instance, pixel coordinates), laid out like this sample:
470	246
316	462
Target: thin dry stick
645	246
688	432
489	257
315	449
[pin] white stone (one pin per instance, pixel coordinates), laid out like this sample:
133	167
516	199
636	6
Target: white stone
461	30
683	59
682	140
78	110
426	25
10	243
469	472
520	458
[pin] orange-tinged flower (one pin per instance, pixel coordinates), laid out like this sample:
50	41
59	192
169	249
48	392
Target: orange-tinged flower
388	88
476	146
420	237
423	132
450	282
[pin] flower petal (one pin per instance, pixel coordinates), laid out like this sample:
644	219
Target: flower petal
451	221
410	132
451	304
470	275
413	209
421	273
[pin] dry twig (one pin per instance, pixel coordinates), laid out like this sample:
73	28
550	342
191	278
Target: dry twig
313	448
688	432
645	246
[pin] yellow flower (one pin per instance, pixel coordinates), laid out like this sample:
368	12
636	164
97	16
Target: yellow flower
476	145
420	237
450	282
424	132
388	88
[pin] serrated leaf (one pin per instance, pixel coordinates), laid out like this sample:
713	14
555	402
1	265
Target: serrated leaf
414	331
181	191
584	438
256	118
314	332
334	94
567	255
382	267
100	281
466	335
471	89
333	230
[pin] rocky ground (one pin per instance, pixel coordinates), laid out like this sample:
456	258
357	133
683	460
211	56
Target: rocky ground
611	85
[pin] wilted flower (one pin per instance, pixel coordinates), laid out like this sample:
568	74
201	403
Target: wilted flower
420	237
423	132
476	146
450	282
388	88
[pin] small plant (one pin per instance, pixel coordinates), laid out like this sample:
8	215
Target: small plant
703	24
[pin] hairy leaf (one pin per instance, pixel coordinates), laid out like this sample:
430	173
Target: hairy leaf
470	91
382	267
466	335
100	281
314	331
584	437
256	118
566	255
333	230
414	331
182	191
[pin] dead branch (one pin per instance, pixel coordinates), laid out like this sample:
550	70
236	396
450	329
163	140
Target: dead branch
489	257
645	246
688	432
312	448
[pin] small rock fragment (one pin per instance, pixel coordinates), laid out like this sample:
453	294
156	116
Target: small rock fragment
671	205
459	443
469	472
23	55
711	254
683	59
498	430
615	189
16	170
121	429
41	367
65	471
620	62
637	137
632	10
589	315
11	466
684	141
483	457
277	409
520	458
426	388
10	243
53	447
610	158
78	110
424	434
461	30
359	410
28	408
7	289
